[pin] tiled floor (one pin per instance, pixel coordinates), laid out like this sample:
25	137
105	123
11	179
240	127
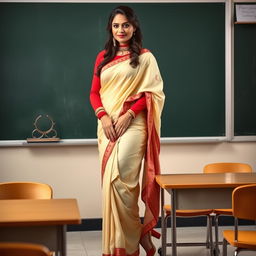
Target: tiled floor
89	243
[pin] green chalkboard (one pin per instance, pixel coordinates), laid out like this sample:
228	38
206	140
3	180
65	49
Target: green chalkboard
47	54
245	80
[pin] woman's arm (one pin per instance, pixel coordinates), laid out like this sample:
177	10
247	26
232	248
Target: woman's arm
97	105
139	105
95	89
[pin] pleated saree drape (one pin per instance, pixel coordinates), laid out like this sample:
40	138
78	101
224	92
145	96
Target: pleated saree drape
121	86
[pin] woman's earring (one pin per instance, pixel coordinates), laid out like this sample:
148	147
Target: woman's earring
114	42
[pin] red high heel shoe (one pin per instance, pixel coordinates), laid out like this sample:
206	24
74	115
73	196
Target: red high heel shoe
152	250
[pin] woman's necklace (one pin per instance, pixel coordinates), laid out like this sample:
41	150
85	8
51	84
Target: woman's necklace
123	51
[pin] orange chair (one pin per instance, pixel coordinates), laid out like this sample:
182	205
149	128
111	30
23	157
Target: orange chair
186	214
23	249
243	207
25	190
222	168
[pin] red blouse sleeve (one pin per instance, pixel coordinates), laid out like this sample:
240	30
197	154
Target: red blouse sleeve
95	89
139	105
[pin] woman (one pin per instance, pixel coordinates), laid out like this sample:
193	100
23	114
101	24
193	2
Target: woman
128	99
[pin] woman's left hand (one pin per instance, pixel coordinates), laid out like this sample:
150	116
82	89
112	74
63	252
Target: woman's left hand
122	124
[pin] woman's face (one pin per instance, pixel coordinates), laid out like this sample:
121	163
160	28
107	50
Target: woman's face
122	29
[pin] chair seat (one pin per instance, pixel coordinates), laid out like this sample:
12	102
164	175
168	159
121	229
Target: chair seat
223	211
20	248
187	213
246	238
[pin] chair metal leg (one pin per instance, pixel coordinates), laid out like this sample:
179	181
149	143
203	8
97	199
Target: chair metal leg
210	235
164	236
209	240
224	246
236	252
216	225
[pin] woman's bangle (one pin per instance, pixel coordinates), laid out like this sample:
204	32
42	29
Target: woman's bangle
99	110
101	114
131	113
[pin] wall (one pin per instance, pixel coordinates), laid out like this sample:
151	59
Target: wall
74	171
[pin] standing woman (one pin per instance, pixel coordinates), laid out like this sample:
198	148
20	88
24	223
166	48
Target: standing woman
127	96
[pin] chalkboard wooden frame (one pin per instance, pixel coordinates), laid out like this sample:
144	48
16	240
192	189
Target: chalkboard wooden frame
235	131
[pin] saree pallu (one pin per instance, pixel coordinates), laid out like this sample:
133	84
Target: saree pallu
121	86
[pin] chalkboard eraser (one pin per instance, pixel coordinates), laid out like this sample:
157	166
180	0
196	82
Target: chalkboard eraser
43	140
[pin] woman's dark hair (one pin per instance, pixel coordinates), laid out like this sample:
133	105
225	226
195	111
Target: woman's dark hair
135	42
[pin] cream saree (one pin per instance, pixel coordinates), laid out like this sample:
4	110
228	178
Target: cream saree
121	86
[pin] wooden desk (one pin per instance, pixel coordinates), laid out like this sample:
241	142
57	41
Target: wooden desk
40	221
199	191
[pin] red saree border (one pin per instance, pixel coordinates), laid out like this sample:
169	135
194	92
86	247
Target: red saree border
122	252
106	156
150	191
126	57
114	62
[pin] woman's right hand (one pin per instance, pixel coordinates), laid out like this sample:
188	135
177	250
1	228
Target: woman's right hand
108	128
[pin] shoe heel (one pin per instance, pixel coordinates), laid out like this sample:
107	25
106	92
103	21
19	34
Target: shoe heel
155	234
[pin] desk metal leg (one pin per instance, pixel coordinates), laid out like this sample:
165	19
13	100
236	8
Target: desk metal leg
173	217
62	248
163	225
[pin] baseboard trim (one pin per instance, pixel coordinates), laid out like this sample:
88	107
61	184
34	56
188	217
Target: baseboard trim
96	224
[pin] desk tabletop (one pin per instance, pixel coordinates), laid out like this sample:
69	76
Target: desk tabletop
205	180
26	212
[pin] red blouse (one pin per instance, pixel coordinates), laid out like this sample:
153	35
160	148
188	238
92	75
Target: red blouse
95	99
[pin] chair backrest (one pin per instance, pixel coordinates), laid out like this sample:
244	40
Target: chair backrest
23	249
227	167
244	202
25	190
